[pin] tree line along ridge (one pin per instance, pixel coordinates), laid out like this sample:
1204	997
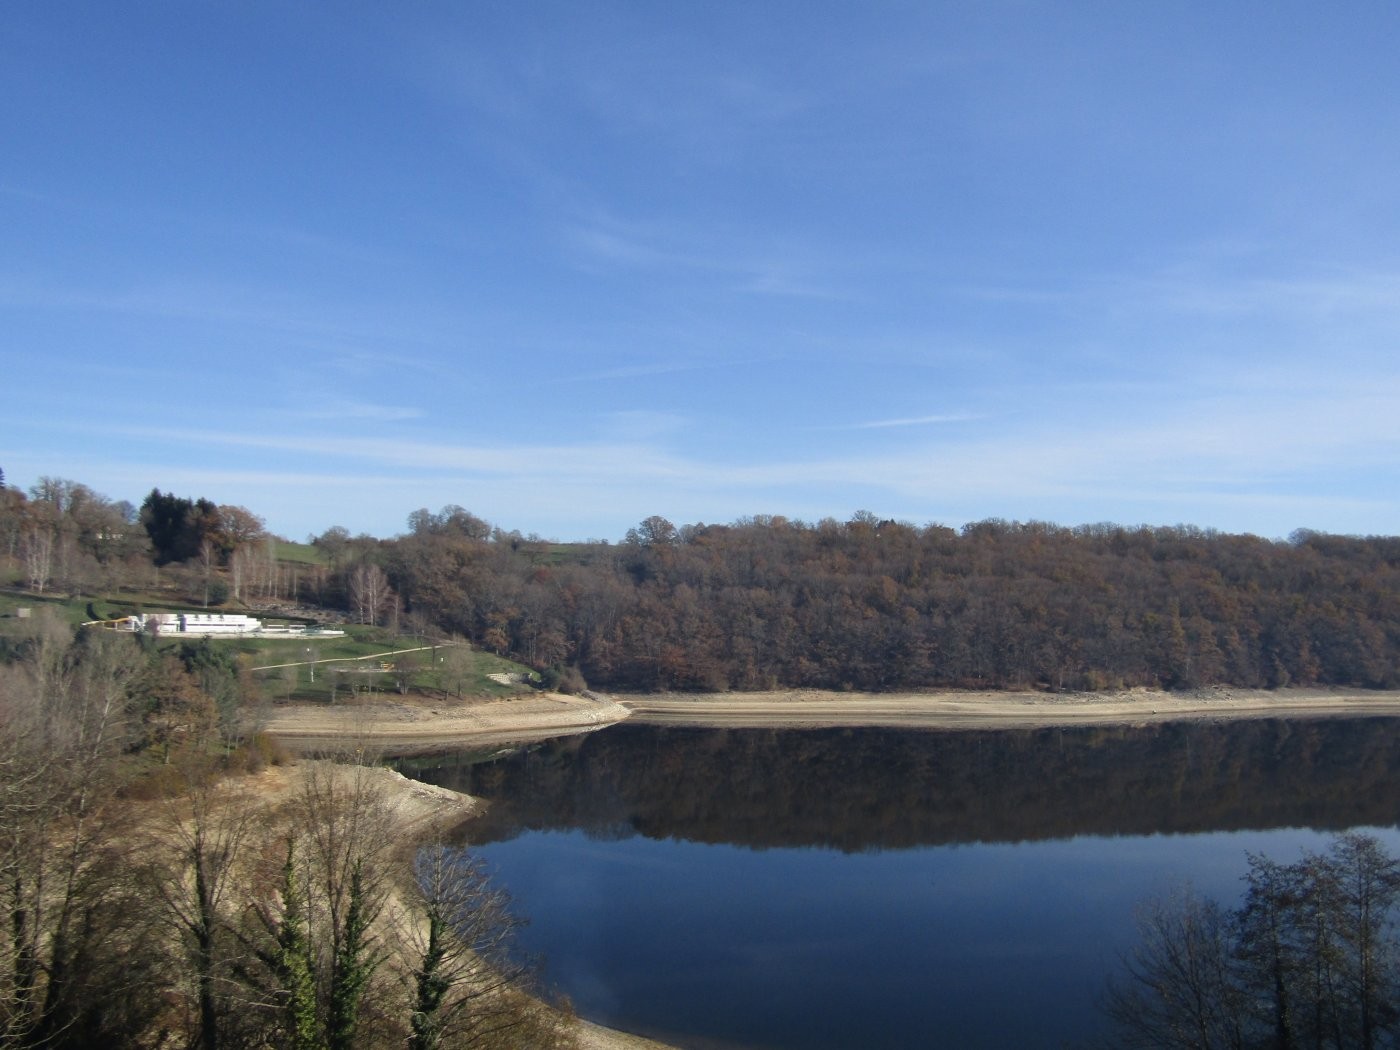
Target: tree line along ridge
766	602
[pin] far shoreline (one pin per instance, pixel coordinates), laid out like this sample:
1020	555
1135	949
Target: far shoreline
409	726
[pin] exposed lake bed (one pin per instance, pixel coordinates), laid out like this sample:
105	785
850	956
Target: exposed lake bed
416	725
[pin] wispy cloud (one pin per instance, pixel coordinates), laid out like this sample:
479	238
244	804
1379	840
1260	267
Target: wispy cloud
643	424
730	258
31	196
496	458
912	421
356	410
1207	286
192	300
1229	461
1350	299
353	338
323	246
656	368
1215	441
614	247
781	278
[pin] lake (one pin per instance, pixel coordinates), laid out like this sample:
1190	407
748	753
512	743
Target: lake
891	888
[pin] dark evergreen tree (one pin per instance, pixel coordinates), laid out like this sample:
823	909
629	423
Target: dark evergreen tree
351	968
292	963
168	522
430	984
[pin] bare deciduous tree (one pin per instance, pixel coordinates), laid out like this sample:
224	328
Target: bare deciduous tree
77	932
466	983
37	547
199	835
369	592
455	665
1307	960
1178	988
208	558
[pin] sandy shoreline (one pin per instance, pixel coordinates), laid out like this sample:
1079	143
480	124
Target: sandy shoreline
1002	710
415	726
412	726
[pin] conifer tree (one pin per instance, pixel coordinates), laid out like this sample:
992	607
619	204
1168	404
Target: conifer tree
293	964
431	984
352	967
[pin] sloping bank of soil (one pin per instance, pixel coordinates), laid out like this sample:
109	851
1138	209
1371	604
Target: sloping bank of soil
415	726
418	810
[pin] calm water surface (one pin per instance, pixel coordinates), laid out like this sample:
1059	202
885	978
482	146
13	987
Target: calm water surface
878	888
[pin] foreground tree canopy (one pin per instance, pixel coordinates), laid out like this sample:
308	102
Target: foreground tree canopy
1308	959
153	896
767	603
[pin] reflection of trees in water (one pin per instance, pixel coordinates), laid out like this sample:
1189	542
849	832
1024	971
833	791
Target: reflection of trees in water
858	789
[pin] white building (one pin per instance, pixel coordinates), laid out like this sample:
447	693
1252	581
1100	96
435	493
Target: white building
199	624
215	625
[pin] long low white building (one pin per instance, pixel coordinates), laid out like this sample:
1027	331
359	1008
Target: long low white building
216	625
200	623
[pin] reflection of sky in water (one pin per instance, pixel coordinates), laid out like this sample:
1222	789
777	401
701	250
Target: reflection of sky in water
974	945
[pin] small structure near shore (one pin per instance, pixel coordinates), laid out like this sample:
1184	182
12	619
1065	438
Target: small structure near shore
215	625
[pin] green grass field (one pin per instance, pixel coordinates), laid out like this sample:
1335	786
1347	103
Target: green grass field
342	669
365	660
70	610
301	553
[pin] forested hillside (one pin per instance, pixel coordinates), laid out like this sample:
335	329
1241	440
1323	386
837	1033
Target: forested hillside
766	602
877	605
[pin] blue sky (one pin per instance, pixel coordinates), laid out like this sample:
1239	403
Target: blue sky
572	264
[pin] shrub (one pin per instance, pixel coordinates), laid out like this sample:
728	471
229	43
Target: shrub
571	681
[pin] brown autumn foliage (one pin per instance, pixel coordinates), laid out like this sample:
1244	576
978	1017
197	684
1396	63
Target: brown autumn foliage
882	605
767	602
